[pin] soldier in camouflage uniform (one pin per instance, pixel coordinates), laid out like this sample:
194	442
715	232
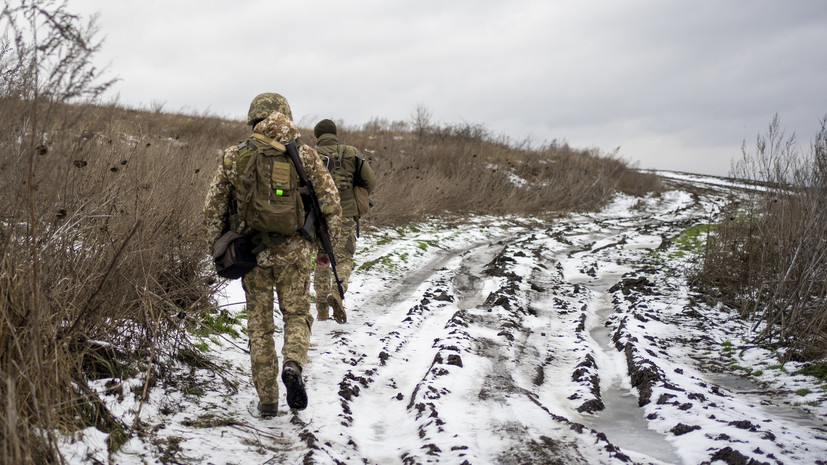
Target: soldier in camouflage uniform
349	168
286	265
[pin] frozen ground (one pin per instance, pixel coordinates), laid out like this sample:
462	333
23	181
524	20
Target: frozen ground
503	341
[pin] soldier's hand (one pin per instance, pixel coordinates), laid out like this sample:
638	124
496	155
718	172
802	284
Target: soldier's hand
322	260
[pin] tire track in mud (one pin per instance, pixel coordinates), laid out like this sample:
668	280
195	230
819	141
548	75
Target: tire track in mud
474	294
371	381
672	393
468	324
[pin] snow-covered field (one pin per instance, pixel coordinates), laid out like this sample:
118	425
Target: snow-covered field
502	341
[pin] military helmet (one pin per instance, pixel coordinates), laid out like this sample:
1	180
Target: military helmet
264	104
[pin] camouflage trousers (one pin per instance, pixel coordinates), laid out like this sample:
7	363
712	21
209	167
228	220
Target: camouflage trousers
292	283
343	252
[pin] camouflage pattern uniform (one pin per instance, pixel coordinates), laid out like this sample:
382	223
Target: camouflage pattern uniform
328	147
286	265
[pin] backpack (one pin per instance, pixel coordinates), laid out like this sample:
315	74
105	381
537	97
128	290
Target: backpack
345	166
341	168
269	205
363	203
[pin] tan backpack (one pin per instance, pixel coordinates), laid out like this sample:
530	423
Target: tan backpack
267	191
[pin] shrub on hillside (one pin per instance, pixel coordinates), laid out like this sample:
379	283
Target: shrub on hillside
100	250
769	259
459	170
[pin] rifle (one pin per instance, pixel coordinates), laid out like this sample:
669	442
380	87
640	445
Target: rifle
315	220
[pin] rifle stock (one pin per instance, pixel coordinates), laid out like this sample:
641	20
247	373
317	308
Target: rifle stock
315	219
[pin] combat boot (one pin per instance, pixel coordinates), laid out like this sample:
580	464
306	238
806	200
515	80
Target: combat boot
322	313
291	375
268	410
335	301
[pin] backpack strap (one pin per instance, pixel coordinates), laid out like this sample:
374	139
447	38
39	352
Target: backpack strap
357	175
273	143
340	159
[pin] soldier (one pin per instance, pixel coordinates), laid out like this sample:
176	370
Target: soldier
285	264
349	169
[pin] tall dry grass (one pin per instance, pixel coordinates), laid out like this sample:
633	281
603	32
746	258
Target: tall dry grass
428	170
770	258
102	258
100	252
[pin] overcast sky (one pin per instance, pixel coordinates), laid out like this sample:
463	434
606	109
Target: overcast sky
675	84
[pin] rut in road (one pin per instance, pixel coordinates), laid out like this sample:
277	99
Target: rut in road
468	323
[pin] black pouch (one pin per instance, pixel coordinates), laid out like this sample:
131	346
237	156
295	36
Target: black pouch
232	256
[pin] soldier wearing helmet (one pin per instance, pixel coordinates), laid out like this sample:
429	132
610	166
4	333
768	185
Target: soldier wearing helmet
287	264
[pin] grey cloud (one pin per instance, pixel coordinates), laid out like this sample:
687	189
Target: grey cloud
690	78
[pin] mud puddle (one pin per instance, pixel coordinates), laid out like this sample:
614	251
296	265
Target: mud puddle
469	281
622	421
756	395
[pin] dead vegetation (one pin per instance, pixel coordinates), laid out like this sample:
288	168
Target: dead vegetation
430	170
769	259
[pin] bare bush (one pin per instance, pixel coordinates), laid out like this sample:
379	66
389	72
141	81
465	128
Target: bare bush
770	258
101	255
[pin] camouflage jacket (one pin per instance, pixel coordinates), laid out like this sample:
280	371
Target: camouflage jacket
280	128
355	166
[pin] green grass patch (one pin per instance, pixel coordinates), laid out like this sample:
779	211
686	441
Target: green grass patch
819	370
802	392
386	261
691	240
371	263
202	346
777	366
216	322
384	241
426	244
726	347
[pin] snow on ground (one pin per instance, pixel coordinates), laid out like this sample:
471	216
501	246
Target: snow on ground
705	180
502	341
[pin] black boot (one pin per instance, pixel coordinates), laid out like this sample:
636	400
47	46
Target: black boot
291	375
268	410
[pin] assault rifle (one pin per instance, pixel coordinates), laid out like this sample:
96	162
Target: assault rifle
315	220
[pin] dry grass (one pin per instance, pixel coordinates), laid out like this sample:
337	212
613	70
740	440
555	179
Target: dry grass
462	170
101	254
770	259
